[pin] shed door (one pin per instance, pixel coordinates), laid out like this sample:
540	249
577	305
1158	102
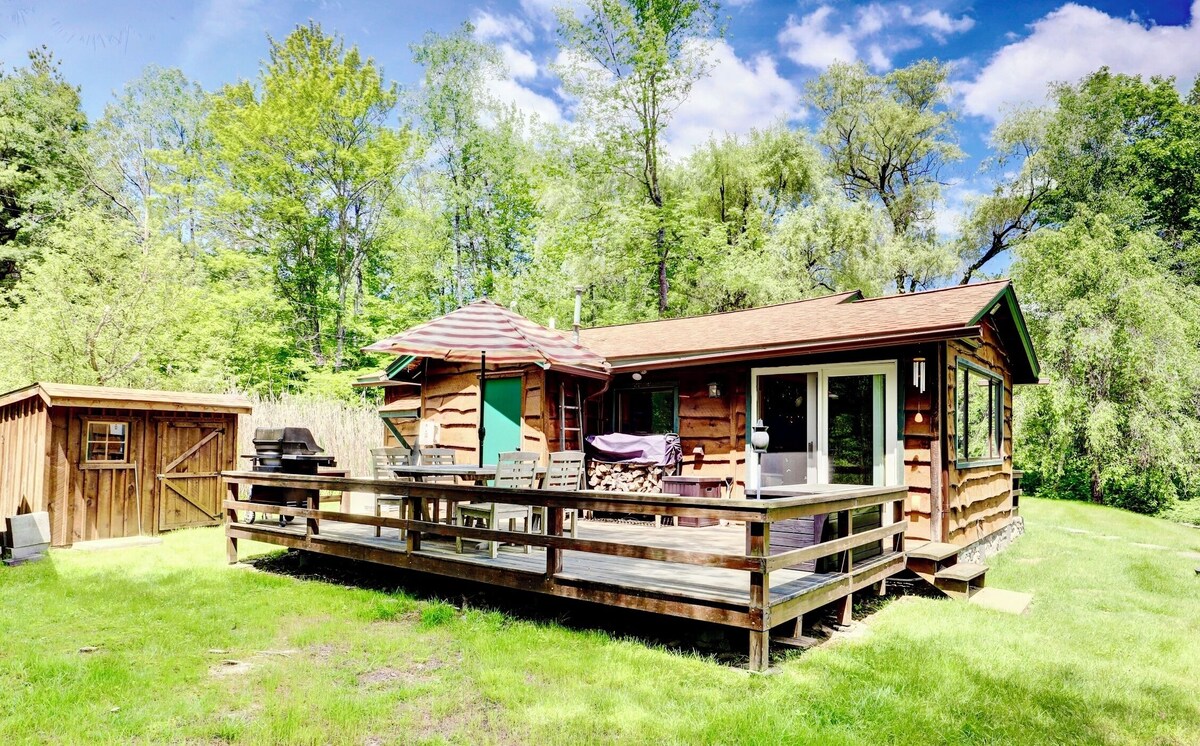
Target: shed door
189	474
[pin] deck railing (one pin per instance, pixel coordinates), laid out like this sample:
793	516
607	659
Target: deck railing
757	611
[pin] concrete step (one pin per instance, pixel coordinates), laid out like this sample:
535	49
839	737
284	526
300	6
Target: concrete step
998	599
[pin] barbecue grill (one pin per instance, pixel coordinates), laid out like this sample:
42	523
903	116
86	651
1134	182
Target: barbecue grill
285	450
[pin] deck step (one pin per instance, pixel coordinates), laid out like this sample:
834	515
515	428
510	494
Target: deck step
963	572
962	580
934	551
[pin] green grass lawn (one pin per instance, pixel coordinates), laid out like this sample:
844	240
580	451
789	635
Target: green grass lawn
189	649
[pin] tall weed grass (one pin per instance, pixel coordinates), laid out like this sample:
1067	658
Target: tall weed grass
346	431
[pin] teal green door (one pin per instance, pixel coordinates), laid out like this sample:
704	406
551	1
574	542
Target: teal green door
501	417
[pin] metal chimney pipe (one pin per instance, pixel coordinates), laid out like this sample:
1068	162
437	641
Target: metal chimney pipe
578	310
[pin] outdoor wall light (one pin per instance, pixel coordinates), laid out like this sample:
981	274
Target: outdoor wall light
759	439
637	376
714	390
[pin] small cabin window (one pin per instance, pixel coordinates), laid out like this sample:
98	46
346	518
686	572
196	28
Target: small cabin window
979	415
649	411
107	442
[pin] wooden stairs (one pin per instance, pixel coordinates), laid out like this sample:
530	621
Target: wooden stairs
938	565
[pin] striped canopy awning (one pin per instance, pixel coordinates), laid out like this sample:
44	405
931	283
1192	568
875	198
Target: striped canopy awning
507	338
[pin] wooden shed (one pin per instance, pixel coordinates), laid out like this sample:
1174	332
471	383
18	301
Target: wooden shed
111	462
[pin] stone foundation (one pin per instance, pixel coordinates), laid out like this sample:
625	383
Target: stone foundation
977	552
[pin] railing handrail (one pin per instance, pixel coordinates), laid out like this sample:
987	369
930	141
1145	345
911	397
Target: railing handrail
733	509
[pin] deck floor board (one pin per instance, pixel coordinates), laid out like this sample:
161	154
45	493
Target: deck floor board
709	583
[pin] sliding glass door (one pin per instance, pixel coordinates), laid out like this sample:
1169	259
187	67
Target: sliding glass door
833	424
788	406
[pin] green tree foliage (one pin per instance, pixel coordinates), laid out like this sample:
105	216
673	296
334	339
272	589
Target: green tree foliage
41	125
1119	337
887	138
311	165
484	169
105	307
631	63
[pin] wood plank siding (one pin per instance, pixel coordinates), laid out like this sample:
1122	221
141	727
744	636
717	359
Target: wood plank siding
979	498
43	464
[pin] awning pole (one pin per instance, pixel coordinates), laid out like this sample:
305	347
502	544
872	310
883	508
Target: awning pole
482	387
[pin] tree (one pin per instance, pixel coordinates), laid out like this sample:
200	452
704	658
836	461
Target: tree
103	307
1119	337
887	137
631	64
311	168
40	155
148	152
1023	179
484	168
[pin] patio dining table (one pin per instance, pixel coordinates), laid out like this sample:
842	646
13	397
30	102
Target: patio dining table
463	472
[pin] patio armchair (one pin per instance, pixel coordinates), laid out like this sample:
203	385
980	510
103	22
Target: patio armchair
381	459
565	474
514	470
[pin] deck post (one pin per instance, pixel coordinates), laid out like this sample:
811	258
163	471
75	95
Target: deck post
758	539
231	518
412	537
311	527
845	605
553	527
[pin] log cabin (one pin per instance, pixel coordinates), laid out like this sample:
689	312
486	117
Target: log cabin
911	390
109	463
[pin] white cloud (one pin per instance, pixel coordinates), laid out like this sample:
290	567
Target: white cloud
872	33
809	41
1074	41
490	27
519	63
736	96
219	21
543	11
527	101
942	23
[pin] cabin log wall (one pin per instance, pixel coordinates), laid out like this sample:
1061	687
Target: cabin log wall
450	397
979	498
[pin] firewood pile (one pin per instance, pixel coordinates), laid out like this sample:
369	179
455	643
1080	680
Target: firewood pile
626	477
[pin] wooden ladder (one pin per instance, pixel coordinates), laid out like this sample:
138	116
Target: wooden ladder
573	435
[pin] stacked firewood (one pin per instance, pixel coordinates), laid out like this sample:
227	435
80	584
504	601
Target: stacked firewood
626	477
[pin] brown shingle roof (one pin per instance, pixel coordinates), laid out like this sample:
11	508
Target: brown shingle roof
807	325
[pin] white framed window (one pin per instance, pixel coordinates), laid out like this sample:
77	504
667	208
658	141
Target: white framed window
106	442
828	424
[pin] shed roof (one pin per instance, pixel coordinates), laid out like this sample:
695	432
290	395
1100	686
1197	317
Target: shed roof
70	395
832	322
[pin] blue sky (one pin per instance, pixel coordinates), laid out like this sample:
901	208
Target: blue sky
1003	53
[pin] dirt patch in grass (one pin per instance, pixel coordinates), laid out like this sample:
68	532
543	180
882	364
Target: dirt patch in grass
230	668
416	673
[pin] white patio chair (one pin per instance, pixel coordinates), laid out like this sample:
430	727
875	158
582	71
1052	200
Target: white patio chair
514	470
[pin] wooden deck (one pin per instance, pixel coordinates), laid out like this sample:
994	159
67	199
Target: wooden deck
724	574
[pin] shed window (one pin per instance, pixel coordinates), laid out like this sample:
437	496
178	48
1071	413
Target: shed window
979	414
107	442
646	411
